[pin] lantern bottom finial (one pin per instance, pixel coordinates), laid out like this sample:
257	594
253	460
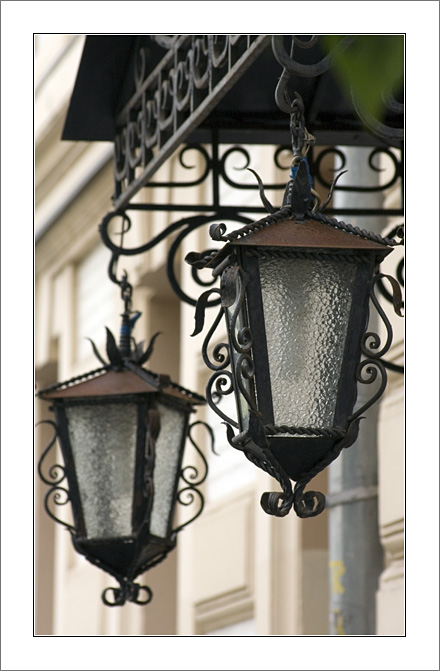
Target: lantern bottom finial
128	591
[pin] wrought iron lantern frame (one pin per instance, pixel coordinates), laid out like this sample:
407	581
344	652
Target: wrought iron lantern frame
124	381
298	230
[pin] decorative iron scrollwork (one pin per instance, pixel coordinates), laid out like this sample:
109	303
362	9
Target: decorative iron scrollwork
57	494
311	503
273	503
182	227
192	478
372	367
223	387
292	66
291	63
169	102
128	591
394	161
253	441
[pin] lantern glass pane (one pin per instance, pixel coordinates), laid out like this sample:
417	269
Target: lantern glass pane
306	312
167	460
103	442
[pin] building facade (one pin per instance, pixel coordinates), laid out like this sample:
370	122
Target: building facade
236	571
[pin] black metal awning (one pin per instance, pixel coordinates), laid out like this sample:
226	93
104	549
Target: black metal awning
150	93
106	82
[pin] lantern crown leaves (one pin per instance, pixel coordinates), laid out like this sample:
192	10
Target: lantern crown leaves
113	352
115	359
267	204
96	353
149	351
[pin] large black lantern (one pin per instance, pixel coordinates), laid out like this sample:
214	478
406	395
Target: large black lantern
295	289
122	432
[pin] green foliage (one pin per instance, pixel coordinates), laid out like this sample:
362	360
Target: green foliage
374	64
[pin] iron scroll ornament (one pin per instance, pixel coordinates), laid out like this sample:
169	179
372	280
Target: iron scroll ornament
168	102
291	63
181	228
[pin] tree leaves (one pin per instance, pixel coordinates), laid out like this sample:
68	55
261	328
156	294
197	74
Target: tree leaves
373	67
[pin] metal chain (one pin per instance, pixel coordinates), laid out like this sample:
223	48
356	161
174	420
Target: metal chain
302	140
126	292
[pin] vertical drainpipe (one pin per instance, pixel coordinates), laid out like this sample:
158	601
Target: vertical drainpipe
355	552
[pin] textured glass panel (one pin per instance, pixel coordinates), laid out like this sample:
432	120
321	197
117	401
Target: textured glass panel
103	440
167	454
306	311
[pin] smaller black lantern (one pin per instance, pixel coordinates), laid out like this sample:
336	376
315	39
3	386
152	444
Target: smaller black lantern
122	431
295	290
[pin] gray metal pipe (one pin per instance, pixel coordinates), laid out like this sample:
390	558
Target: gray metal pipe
355	552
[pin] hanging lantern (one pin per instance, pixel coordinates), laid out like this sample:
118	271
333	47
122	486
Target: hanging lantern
122	431
295	290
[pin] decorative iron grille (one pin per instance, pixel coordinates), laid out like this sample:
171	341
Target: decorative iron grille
196	72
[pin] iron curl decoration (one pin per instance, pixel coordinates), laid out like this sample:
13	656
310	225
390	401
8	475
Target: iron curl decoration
192	478
273	503
57	494
172	99
224	386
390	134
60	496
371	366
234	282
54	478
367	372
245	370
312	503
239	150
389	296
182	227
221	358
191	224
204	169
370	343
128	591
292	66
190	474
396	174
